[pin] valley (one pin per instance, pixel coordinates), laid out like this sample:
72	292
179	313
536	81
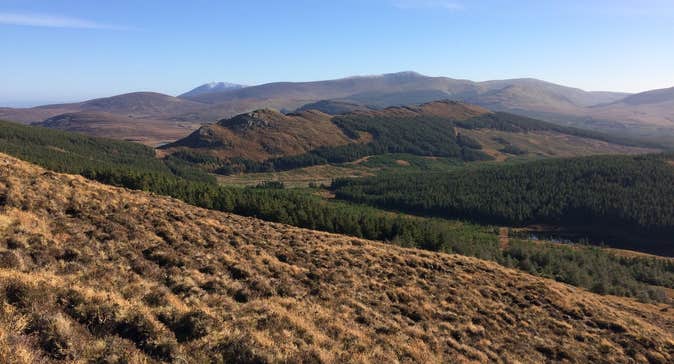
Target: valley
258	182
308	208
160	294
314	162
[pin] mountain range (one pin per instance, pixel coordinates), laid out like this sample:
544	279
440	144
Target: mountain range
649	114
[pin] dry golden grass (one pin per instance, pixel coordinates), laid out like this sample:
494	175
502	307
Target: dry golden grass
148	131
94	273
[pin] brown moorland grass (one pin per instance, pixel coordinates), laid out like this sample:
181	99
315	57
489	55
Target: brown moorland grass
93	273
264	134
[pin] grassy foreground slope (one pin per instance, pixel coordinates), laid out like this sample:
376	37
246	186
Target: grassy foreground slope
92	272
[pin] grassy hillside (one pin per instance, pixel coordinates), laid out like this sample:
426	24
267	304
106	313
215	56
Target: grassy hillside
261	135
266	141
94	273
615	195
151	132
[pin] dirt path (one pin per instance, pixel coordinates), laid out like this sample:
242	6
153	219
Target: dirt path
360	160
503	238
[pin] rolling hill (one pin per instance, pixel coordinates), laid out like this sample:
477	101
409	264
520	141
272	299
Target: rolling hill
136	104
151	132
94	273
263	134
266	140
146	117
654	107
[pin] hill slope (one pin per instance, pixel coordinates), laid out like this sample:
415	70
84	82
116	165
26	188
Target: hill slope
91	272
102	124
654	107
137	104
140	116
263	134
265	140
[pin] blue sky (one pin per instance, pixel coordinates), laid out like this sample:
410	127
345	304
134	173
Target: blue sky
58	50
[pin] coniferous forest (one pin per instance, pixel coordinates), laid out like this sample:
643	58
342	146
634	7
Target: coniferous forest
633	194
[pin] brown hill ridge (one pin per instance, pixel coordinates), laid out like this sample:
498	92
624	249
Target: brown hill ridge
264	134
94	273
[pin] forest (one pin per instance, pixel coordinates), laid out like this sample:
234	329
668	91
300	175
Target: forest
75	153
629	193
132	166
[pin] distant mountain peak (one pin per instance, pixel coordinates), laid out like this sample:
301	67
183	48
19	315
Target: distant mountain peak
665	95
394	75
405	73
214	84
212	87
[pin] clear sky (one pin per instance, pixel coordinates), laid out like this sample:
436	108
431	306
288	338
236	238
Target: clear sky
58	50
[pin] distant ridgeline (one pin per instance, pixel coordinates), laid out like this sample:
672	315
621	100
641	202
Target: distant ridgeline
617	197
427	130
